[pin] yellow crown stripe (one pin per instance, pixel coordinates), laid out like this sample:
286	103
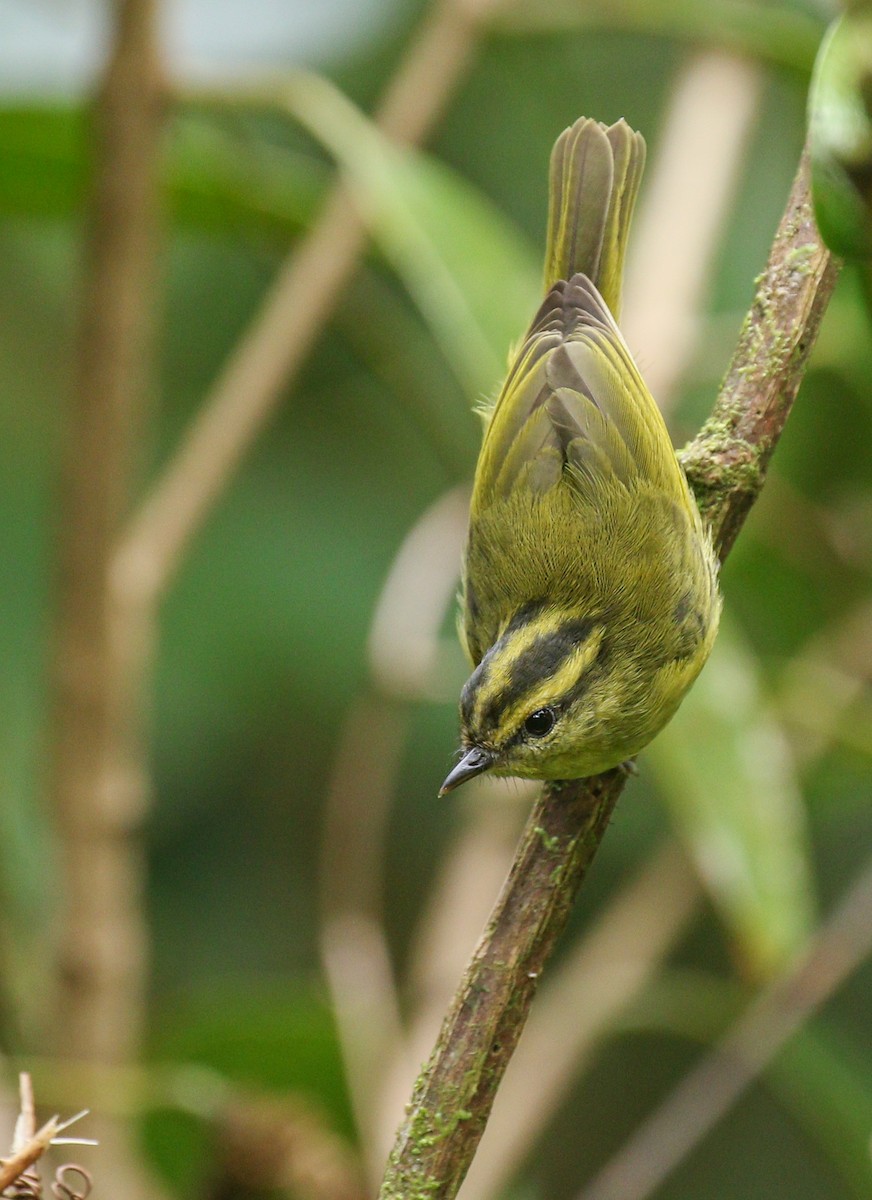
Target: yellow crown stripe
501	685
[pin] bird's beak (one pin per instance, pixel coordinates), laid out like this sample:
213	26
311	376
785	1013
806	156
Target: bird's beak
474	762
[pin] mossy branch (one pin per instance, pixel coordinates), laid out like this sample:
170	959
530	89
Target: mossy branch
726	466
726	463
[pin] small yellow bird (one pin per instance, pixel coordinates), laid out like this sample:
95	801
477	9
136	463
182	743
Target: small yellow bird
590	599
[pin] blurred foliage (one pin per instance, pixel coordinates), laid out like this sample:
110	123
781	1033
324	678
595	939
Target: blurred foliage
840	127
765	776
730	781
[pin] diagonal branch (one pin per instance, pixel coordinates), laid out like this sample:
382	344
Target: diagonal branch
726	465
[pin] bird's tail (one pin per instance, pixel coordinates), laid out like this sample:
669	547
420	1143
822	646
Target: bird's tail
595	175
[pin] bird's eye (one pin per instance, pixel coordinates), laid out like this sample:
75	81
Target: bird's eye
540	722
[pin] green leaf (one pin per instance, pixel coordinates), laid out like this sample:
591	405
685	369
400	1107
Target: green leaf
282	1039
215	178
840	136
179	1148
43	167
472	275
725	770
223	181
827	1086
776	34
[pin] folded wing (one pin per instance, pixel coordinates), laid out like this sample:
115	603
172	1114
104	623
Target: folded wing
574	410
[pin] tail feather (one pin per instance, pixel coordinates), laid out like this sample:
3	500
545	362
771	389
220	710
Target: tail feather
595	175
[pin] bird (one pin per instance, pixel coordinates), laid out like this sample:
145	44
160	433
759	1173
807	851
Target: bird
589	599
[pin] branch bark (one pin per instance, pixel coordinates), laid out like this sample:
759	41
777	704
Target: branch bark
726	466
726	463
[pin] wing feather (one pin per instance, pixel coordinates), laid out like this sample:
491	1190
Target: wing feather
574	408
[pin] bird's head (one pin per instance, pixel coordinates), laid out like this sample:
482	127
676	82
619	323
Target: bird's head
529	705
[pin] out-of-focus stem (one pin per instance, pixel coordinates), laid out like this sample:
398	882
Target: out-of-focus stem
98	780
681	218
404	647
97	783
111	583
306	290
843	941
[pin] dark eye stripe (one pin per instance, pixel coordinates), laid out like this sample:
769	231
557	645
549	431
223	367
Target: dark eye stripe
545	656
470	692
591	673
478	679
540	660
523	617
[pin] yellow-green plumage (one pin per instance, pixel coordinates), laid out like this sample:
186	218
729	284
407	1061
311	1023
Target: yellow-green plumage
590	597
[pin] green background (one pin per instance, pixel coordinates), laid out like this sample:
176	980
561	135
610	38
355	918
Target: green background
263	634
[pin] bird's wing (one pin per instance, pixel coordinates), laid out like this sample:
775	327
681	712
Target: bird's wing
574	408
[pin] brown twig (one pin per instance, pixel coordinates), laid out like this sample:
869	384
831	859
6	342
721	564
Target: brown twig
18	1172
583	997
29	1152
727	466
726	463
